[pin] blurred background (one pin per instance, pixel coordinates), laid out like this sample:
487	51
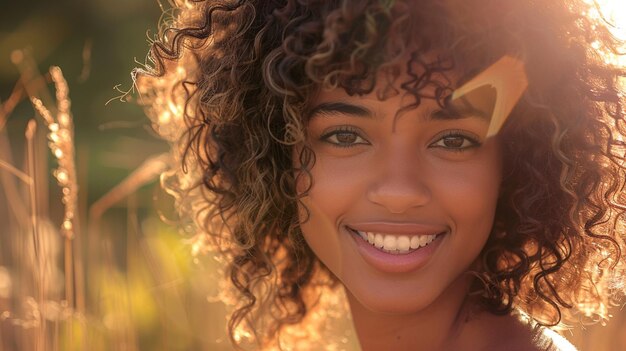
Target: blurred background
103	269
123	279
96	44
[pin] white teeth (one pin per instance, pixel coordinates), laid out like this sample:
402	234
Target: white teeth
404	243
390	242
415	242
397	244
378	241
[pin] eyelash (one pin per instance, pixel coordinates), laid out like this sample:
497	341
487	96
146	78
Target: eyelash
344	130
457	133
452	133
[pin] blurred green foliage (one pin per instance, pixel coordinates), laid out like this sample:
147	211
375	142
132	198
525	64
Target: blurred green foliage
113	34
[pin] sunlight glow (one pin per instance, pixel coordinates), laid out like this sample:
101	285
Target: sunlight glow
614	12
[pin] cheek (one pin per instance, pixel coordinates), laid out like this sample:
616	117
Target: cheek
319	214
334	184
320	233
335	189
471	190
470	193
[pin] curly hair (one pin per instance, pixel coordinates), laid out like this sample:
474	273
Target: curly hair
239	76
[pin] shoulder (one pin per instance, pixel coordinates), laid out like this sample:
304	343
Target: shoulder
514	334
543	339
548	339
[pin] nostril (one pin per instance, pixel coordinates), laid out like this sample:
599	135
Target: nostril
399	195
399	202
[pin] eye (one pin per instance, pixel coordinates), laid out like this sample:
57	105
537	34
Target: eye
456	141
344	137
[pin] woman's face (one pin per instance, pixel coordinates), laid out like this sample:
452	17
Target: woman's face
399	207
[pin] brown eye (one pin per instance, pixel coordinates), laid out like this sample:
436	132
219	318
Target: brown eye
343	138
455	142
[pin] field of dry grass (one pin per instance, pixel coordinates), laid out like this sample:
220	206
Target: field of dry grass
67	281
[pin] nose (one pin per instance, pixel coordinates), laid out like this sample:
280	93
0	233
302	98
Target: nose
400	185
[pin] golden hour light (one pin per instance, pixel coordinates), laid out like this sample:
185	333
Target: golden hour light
614	13
350	175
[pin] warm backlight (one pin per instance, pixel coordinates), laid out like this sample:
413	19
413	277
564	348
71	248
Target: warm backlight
614	12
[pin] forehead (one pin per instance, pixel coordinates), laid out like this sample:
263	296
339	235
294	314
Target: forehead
414	81
431	75
419	73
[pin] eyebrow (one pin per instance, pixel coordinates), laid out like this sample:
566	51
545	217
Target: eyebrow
448	113
330	108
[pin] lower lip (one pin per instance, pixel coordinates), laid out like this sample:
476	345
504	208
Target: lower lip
396	263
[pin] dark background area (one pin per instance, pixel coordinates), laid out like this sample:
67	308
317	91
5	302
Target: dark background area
111	138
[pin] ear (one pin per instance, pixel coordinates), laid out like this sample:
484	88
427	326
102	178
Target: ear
508	77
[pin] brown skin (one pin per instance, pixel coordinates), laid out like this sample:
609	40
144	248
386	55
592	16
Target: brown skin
406	169
443	331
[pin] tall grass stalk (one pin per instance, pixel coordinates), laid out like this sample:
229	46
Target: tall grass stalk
31	130
61	143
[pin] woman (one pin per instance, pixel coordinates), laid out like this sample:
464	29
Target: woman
392	148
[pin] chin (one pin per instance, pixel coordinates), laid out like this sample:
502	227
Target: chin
392	300
405	295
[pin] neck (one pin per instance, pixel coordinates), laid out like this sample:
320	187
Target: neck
435	327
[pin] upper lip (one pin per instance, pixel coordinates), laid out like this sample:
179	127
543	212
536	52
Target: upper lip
407	228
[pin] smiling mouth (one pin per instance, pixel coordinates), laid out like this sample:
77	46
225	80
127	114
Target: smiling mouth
395	244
